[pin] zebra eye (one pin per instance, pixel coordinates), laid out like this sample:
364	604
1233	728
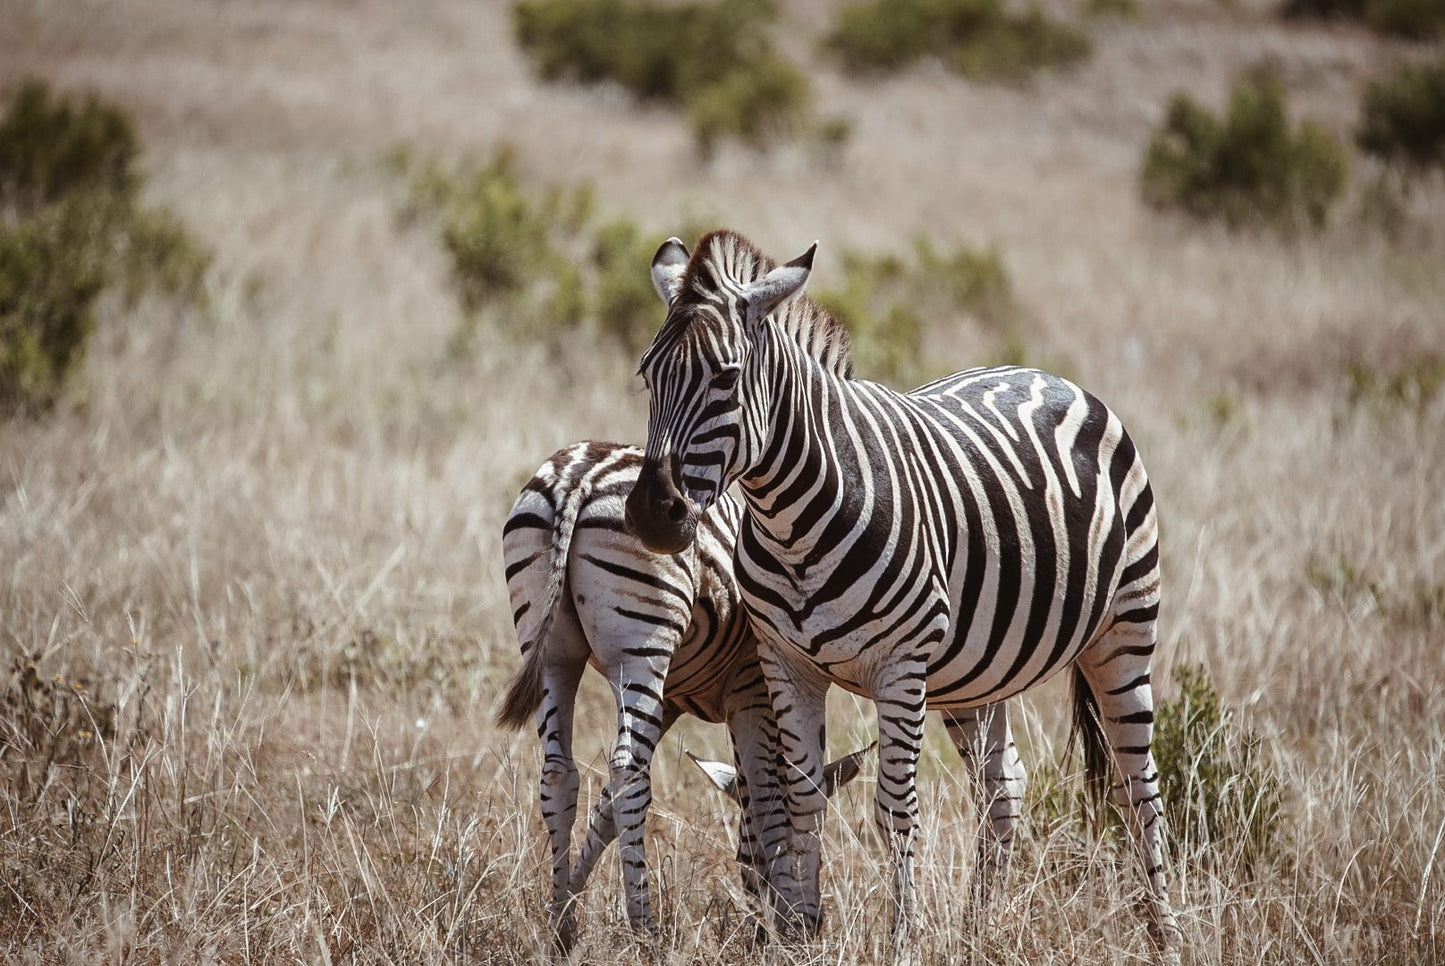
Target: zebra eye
724	379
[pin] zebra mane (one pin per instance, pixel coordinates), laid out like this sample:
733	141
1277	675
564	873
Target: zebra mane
724	258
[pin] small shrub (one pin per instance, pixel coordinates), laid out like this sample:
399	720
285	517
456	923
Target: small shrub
70	226
1409	389
1411	19
884	300
1403	115
533	260
52	269
754	106
496	235
976	38
1218	784
623	300
1248	169
1120	9
711	59
50	148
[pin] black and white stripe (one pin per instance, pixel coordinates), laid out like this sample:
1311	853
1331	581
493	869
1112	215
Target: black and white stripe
948	548
668	634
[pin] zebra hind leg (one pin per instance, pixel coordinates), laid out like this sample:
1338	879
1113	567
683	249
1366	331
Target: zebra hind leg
1114	711
985	743
621	808
558	792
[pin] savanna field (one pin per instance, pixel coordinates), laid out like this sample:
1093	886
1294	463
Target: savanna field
371	263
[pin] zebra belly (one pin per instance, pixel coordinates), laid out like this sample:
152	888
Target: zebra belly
858	661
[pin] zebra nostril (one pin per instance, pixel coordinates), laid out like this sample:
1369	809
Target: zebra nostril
675	510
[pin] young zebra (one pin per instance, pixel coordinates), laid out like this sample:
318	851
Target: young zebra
584	590
948	548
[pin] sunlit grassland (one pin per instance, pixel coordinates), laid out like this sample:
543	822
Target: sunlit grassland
254	560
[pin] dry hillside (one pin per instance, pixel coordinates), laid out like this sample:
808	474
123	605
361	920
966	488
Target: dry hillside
260	538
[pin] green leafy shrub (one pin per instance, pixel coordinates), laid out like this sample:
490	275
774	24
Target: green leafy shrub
1120	9
71	226
495	234
1403	115
767	101
712	59
52	269
1220	789
623	300
1248	169
976	38
50	148
1408	389
884	300
535	261
1411	19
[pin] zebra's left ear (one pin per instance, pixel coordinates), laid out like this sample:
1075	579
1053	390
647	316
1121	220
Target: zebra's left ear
776	287
668	267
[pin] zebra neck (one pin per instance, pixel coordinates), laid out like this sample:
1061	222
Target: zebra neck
798	480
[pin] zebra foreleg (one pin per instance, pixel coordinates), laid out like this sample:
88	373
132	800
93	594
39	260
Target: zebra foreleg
798	694
763	821
901	710
985	743
1116	670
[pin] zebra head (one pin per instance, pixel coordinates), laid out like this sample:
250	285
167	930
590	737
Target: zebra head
706	399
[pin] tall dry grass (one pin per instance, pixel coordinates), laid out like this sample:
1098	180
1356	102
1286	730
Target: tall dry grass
253	615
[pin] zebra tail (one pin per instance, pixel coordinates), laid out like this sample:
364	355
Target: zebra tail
524	693
1097	756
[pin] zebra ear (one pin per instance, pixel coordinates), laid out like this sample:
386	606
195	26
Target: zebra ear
838	773
668	267
725	777
776	287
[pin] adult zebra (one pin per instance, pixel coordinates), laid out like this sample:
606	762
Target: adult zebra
949	547
668	634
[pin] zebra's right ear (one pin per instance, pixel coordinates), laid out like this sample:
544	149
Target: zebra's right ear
776	287
668	267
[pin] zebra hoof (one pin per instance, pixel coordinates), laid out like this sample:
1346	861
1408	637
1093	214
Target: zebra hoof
1167	938
564	931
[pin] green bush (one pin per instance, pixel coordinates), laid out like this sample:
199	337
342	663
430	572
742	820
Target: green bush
70	226
50	148
755	106
623	299
1408	389
52	269
976	38
495	234
712	59
1120	9
1249	169
534	261
1220	789
1411	19
884	300
1403	115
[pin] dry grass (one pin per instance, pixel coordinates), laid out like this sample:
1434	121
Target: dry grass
255	560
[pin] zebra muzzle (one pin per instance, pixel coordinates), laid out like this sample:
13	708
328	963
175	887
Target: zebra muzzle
657	511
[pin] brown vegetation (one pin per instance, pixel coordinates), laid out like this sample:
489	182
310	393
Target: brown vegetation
253	611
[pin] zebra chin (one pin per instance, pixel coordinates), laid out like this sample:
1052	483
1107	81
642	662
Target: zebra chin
658	513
